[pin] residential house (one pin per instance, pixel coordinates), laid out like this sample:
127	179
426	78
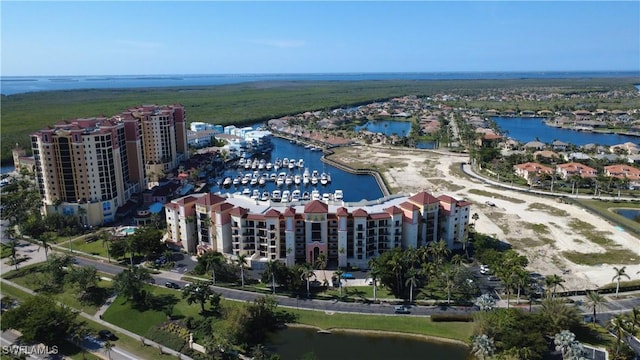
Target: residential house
573	168
532	171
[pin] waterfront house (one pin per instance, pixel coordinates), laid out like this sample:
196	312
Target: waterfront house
535	145
626	148
531	171
576	156
558	145
573	168
547	155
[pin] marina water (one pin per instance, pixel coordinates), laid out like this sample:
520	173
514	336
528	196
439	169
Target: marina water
355	187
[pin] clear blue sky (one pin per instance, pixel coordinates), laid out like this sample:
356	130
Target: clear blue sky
125	38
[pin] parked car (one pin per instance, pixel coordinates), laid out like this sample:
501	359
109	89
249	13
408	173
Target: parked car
171	285
484	269
400	309
489	203
107	335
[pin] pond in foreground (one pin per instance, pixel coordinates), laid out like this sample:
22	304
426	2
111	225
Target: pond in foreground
296	343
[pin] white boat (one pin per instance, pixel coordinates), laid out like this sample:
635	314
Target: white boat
315	195
265	196
241	162
227	181
297	179
288	180
273	177
236	181
276	195
323	179
326	197
262	180
338	195
262	164
247	165
254	181
300	163
246	192
314	180
305	177
295	195
269	166
292	165
255	195
285	196
285	162
306	196
245	180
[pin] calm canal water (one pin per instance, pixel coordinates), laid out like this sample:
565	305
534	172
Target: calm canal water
387	127
527	129
355	187
631	214
294	343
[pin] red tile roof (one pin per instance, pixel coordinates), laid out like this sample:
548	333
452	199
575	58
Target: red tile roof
379	216
315	207
408	206
239	211
210	199
272	213
290	211
359	213
393	210
255	217
342	211
423	198
448	199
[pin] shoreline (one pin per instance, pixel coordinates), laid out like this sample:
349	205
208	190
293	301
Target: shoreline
422	337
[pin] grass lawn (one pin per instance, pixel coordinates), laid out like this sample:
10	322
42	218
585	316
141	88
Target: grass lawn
406	324
358	292
495	196
93	248
605	209
121	312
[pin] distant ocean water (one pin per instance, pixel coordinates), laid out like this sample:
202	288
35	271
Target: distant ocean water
10	85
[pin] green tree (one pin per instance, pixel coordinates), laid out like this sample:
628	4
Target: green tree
321	264
78	334
85	278
412	281
270	271
198	292
338	273
306	273
41	319
596	301
620	273
55	271
374	271
241	260
45	240
130	283
552	282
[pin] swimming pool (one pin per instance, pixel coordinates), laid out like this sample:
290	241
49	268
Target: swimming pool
127	230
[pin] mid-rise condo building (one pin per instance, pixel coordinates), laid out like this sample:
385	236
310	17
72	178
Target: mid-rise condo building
348	234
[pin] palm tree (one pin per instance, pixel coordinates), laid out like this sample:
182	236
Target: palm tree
374	270
242	262
108	345
130	244
106	241
44	243
595	301
439	250
13	245
271	270
339	273
521	281
212	259
617	324
553	281
412	281
483	347
618	276
321	264
306	273
449	279
475	217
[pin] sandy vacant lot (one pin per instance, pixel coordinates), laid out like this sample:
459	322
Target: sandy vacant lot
541	228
